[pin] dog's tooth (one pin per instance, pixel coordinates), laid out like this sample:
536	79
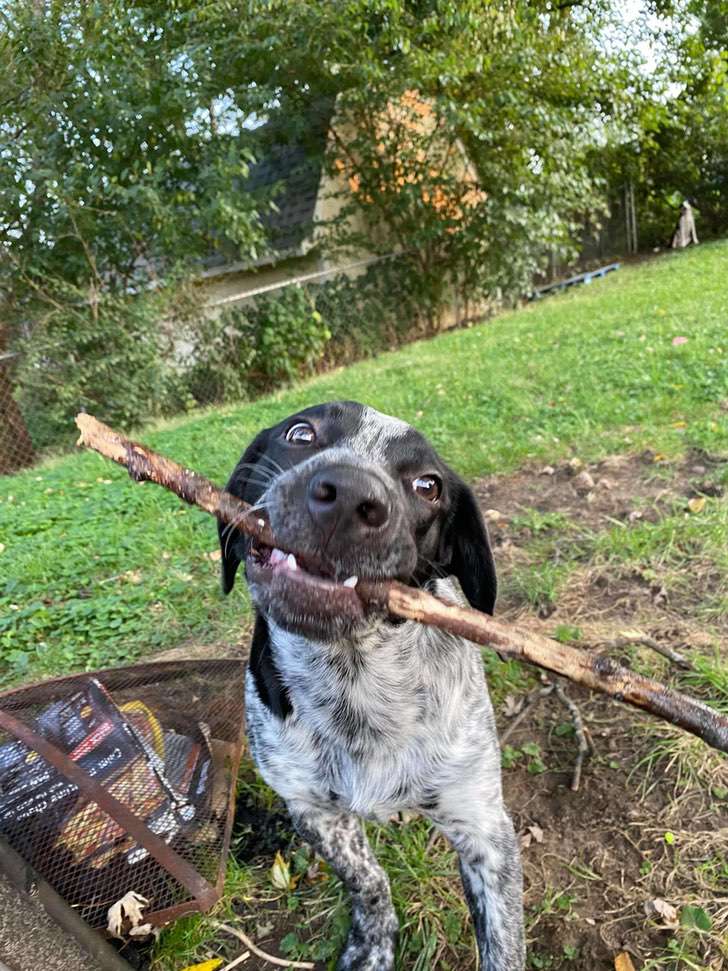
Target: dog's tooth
277	556
351	581
261	523
291	561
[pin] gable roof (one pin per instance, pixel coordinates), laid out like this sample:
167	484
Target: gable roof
298	175
292	146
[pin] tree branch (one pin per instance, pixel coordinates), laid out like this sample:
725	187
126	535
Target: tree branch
583	667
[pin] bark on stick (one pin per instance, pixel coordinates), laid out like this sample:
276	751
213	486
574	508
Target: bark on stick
593	670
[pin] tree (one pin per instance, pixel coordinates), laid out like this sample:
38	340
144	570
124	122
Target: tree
122	162
675	145
524	87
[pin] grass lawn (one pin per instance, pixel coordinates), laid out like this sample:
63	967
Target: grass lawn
95	570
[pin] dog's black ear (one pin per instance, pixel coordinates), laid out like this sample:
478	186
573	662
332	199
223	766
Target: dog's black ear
233	543
465	548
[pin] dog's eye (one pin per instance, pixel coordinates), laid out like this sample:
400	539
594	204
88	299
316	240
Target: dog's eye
428	486
301	434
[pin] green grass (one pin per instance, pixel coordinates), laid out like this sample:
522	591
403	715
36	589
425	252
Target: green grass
659	551
96	570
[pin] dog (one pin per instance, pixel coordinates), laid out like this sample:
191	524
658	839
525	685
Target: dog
351	713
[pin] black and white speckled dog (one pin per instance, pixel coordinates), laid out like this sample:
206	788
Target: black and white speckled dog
353	715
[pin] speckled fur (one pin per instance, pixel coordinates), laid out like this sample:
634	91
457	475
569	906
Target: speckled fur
390	718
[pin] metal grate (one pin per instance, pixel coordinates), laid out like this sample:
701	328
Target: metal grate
124	780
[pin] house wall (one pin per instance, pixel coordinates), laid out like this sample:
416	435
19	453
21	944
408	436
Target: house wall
231	288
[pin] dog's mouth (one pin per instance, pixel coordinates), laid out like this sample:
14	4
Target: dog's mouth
300	595
277	561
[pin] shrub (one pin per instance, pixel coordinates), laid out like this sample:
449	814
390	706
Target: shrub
111	358
256	347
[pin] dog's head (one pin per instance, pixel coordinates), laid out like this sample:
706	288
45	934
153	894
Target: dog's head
362	496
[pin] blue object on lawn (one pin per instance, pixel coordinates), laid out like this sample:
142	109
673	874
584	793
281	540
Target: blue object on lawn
571	281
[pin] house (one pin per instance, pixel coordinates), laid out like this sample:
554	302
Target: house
308	198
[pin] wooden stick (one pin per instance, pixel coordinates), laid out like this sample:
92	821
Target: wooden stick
263	955
579	731
583	667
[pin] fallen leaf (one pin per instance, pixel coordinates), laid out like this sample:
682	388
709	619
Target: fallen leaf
677	341
128	908
697	504
536	832
623	962
511	705
210	965
526	839
214	555
280	874
661	908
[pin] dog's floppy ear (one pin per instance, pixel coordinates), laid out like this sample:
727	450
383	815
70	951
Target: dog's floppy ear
233	543
465	548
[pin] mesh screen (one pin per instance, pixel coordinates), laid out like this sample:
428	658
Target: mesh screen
165	740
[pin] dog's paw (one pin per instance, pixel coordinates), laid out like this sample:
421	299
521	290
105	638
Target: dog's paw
370	945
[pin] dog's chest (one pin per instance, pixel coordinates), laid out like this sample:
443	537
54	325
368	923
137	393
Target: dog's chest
372	733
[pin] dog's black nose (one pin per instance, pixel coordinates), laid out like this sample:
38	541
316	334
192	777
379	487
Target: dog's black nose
350	497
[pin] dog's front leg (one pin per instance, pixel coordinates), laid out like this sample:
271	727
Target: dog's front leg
340	839
482	833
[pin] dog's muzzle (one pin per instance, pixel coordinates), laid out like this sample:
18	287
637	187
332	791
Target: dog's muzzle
337	524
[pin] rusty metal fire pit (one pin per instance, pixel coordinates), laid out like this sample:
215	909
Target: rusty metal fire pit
124	780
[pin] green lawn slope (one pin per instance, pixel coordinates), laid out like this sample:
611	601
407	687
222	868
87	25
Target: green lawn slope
95	570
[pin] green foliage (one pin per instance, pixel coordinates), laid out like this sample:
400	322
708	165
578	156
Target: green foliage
519	86
471	138
127	151
695	918
370	313
675	139
114	357
122	159
254	348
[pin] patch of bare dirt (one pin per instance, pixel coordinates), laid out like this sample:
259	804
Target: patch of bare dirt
588	498
600	855
625	488
595	859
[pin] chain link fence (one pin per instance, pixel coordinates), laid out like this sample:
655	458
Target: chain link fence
256	336
16	445
251	337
